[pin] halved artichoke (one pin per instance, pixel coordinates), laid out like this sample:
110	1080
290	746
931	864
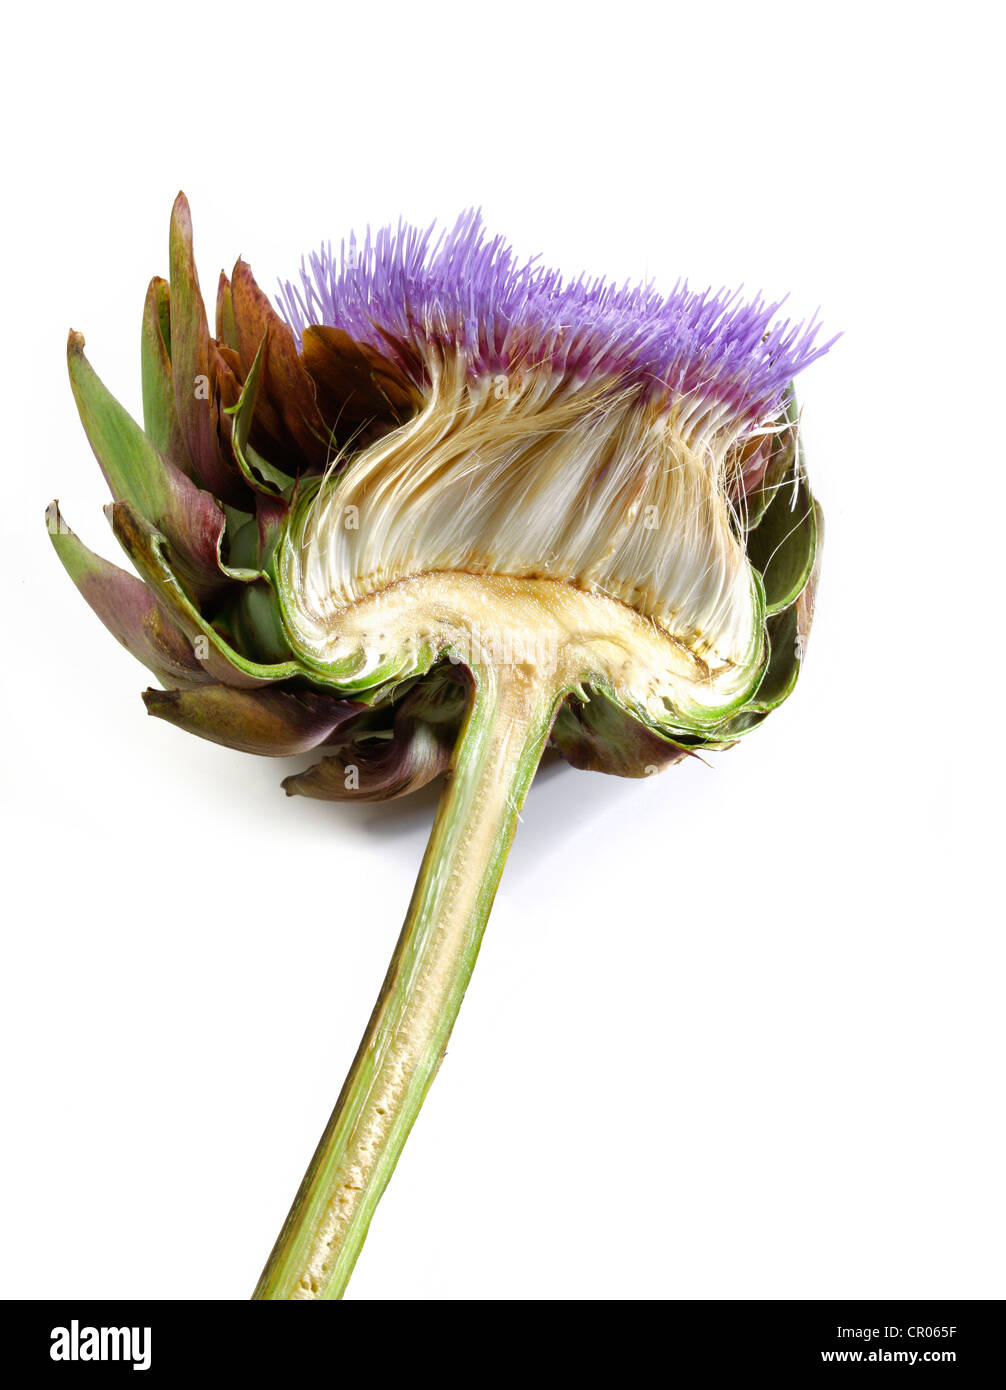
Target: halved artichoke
449	511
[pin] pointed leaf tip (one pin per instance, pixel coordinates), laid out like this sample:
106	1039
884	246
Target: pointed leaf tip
194	369
137	472
160	420
180	210
146	548
273	722
126	607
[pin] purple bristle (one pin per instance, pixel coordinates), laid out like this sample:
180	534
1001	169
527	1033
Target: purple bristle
468	292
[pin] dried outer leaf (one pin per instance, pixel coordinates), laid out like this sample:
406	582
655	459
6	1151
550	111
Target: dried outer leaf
288	428
377	762
127	608
229	386
228	383
361	393
275	722
412	759
258	473
231	374
196	394
137	473
228	392
597	735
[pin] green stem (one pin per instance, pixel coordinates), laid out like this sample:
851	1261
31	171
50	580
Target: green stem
498	752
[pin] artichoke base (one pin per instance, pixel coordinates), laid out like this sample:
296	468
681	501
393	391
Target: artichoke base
574	637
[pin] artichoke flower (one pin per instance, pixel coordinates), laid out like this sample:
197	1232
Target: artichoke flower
441	512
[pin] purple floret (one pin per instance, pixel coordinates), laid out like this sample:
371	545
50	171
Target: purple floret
468	292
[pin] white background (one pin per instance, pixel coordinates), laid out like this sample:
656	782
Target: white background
735	1032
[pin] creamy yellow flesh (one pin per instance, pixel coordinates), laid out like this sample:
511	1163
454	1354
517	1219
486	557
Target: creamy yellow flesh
570	637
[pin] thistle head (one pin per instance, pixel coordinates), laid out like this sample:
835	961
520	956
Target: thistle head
436	450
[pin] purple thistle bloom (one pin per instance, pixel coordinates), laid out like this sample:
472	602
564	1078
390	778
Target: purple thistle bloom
403	289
